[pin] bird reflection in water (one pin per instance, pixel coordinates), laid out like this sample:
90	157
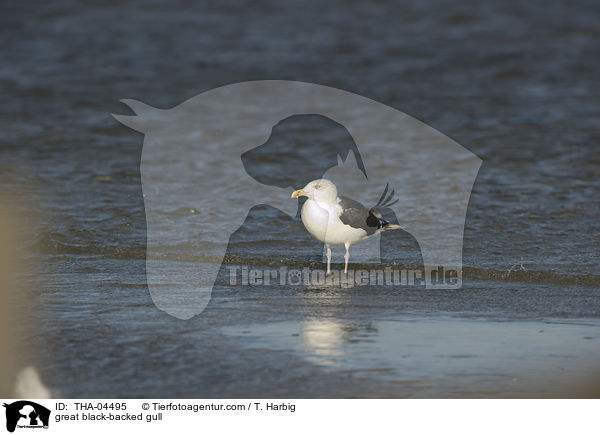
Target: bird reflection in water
327	341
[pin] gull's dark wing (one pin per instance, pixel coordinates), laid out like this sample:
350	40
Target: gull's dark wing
357	215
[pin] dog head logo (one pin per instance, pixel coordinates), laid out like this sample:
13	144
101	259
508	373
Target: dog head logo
25	413
196	158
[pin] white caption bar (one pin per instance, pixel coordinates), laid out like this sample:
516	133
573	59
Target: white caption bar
276	416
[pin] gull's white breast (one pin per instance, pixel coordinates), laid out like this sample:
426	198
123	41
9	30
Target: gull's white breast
323	222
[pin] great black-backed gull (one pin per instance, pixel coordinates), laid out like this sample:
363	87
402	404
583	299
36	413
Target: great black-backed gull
339	220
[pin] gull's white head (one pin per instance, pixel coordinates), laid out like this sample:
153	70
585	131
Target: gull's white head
321	190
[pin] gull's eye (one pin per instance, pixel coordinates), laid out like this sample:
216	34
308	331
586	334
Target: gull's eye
317	186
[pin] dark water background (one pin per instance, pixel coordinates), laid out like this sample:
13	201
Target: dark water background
516	83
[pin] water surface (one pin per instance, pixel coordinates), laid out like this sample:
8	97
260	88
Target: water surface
515	83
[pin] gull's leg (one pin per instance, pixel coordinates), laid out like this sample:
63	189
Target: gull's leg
328	259
346	257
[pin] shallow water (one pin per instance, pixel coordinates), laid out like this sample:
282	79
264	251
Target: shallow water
515	83
443	357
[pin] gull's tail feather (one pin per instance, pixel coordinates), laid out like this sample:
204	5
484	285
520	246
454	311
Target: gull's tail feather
386	201
389	226
382	196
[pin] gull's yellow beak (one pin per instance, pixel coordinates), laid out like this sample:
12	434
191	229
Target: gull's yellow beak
299	192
